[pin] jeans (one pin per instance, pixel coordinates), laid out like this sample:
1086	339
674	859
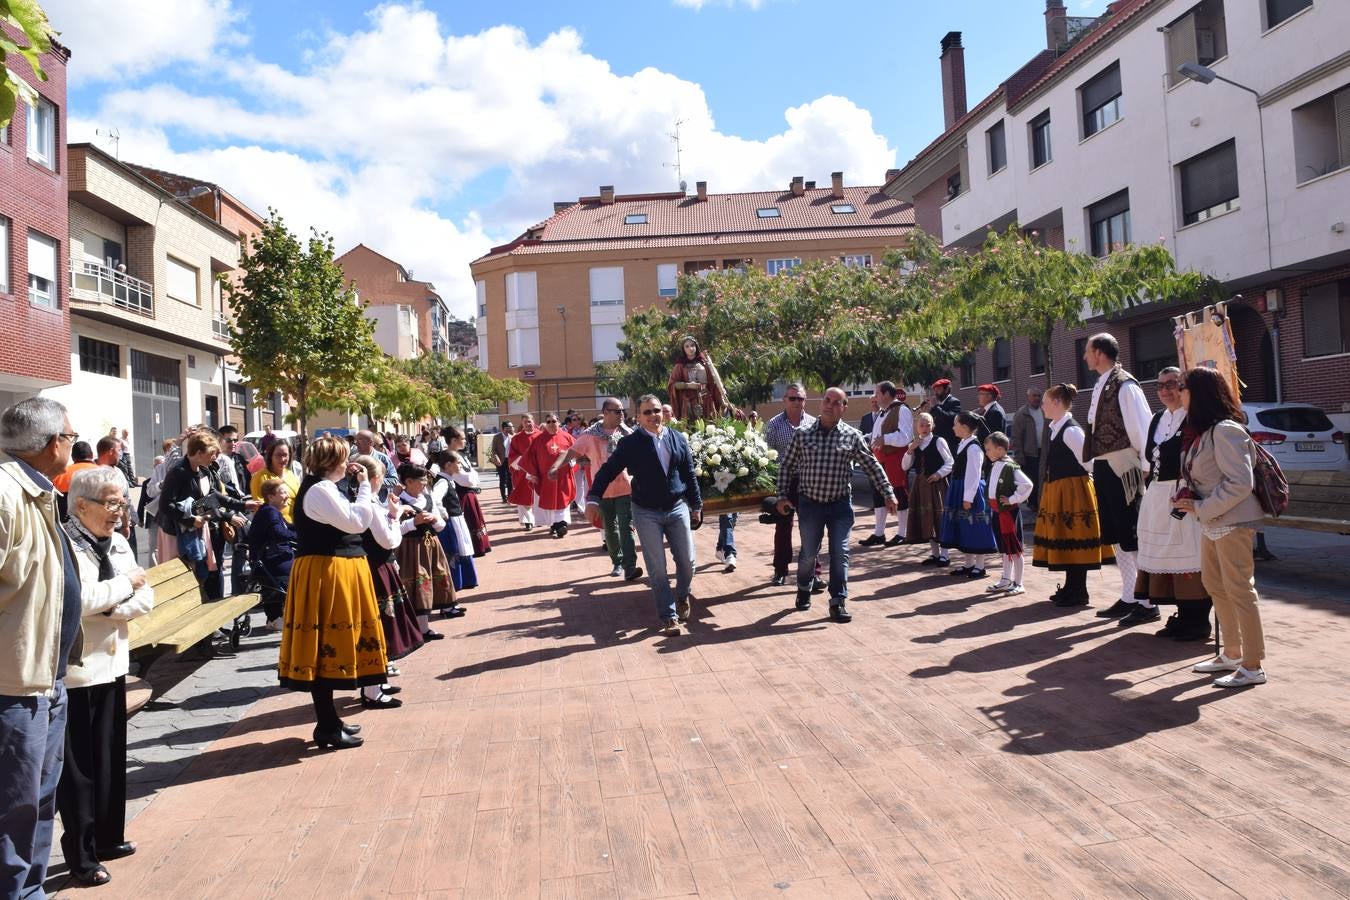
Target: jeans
617	514
192	549
815	519
654	526
503	481
32	749
726	533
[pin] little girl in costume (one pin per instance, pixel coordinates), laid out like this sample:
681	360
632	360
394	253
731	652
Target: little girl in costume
1009	487
966	522
931	460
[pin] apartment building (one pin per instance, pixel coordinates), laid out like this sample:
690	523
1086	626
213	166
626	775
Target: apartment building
34	300
147	346
383	282
552	303
1243	171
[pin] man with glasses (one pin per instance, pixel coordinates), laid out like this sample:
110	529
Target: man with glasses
595	445
554	496
820	459
40	613
778	433
665	503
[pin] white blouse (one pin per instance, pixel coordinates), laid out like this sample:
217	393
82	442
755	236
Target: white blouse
324	503
386	531
426	504
947	462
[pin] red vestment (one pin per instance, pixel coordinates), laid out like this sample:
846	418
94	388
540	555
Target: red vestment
522	491
554	493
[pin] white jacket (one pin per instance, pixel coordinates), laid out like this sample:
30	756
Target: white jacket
108	606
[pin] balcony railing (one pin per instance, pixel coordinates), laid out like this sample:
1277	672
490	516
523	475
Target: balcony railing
111	286
220	327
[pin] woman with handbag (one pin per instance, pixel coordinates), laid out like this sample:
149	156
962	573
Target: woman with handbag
1217	467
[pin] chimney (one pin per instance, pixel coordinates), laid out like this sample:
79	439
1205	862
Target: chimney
837	185
607	194
798	185
953	78
810	185
560	205
702	187
1056	25
891	175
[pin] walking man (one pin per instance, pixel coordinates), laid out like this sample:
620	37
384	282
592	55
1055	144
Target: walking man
40	615
498	458
821	460
778	433
666	502
1027	423
1116	437
595	445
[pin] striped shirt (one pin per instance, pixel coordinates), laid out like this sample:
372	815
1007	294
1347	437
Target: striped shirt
822	462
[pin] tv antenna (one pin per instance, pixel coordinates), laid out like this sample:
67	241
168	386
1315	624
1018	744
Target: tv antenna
678	165
111	134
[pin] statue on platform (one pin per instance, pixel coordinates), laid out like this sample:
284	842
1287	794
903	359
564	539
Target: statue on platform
695	388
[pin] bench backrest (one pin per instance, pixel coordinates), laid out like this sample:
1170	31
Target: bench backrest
1319	495
176	592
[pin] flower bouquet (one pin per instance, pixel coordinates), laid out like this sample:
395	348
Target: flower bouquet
735	468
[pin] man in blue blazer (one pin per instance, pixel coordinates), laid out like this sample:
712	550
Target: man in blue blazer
666	502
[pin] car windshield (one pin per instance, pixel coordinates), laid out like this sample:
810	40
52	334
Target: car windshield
1294	418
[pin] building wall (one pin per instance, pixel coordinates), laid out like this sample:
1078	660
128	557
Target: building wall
379	283
32	196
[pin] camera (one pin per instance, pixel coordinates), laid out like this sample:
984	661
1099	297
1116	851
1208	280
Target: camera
1183	493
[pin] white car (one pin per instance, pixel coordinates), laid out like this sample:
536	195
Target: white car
1298	435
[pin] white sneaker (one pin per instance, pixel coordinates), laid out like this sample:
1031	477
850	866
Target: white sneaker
1241	678
616	572
730	561
1001	585
1219	663
1016	589
719	556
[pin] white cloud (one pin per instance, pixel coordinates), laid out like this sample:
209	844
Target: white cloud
377	133
126	38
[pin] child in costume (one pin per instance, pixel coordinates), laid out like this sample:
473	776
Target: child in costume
1009	487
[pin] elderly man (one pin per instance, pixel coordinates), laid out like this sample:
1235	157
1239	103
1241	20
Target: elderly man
778	433
1027	424
40	612
497	456
366	445
995	419
820	460
945	407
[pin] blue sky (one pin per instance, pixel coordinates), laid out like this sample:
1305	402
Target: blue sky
432	130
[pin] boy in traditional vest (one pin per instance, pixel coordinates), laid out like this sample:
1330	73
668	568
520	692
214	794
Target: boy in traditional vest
1009	487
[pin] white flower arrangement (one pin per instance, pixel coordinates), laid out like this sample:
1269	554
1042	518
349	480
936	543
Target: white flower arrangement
731	459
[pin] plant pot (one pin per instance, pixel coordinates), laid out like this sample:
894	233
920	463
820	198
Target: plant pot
722	505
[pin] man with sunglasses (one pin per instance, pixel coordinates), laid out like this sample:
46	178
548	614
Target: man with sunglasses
665	502
778	433
595	445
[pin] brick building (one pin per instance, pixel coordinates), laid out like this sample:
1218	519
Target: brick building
1099	140
383	282
552	303
34	299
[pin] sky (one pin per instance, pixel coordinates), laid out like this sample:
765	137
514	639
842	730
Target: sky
432	131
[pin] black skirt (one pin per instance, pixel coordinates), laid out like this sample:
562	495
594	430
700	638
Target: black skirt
1119	520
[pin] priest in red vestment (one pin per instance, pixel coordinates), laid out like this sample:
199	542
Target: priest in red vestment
554	495
523	496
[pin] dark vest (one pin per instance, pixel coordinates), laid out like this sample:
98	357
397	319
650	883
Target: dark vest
1107	433
375	554
317	539
1060	461
424	503
1169	452
451	502
958	475
929	458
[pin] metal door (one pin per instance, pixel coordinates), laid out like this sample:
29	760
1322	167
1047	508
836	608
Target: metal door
156	406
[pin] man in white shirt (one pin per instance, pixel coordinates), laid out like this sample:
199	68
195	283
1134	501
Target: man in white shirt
892	431
1116	435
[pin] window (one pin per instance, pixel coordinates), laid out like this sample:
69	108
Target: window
860	260
998	148
1197	37
100	357
1086	377
768	212
841	208
1326	319
667	280
967	376
605	342
635	219
522	319
1002	359
1209	184
4	255
1155	348
42	290
1109	224
954	185
607	286
182	281
1100	99
1322	135
42	133
1040	140
1278	10
774	266
1037	358
480	294
238	396
694	266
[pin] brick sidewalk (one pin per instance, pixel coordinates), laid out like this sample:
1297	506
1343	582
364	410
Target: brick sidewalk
942	743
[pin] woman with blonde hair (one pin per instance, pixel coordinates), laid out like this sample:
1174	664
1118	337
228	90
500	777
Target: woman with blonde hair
331	638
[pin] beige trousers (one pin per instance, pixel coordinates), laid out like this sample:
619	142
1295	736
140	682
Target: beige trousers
1226	569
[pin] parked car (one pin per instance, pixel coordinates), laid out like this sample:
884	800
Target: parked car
1299	435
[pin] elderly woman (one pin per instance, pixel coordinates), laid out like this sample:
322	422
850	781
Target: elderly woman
92	792
277	464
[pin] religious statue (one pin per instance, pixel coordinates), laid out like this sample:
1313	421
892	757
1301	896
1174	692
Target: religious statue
695	388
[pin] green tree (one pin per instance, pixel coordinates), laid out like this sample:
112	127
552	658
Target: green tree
297	326
460	387
29	19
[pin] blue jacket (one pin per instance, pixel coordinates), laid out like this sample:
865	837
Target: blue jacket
652	487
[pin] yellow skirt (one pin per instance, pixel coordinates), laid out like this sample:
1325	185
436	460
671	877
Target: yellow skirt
1068	533
332	636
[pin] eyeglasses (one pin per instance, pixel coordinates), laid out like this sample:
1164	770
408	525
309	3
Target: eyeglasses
70	436
550	421
651	412
113	505
1169	385
612	409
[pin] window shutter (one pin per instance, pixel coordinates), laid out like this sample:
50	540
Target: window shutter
1101	89
605	342
607	286
666	279
1209	179
1321	320
41	256
1180	47
1342	101
1111	206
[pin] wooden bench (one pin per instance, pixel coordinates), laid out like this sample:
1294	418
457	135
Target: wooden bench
180	619
1318	501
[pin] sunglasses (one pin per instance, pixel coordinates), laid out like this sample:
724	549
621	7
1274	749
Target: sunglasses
651	412
612	409
796	399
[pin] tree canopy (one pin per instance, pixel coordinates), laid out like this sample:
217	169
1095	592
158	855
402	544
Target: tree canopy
31	21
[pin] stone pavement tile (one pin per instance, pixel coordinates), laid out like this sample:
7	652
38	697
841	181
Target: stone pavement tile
504	861
648	855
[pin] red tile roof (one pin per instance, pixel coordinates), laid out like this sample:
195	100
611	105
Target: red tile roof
676	219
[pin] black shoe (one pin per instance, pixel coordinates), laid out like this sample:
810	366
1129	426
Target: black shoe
338	740
778	581
896	541
1172	627
351	728
817	587
839	612
1116	610
454	612
1140	615
973	572
1200	632
931	561
803	599
562	529
94	877
943	562
430	635
875	540
391	690
528	527
1067	600
633	575
116	851
385	702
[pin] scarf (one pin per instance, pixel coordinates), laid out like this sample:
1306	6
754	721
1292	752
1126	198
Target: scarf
84	539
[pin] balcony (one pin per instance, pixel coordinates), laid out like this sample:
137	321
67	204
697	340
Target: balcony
96	283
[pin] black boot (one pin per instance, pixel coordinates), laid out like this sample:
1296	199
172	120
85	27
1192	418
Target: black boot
839	611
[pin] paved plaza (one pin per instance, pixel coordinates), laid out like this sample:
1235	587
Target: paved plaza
943	743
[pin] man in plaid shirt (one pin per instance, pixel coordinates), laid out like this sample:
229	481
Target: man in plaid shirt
821	458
